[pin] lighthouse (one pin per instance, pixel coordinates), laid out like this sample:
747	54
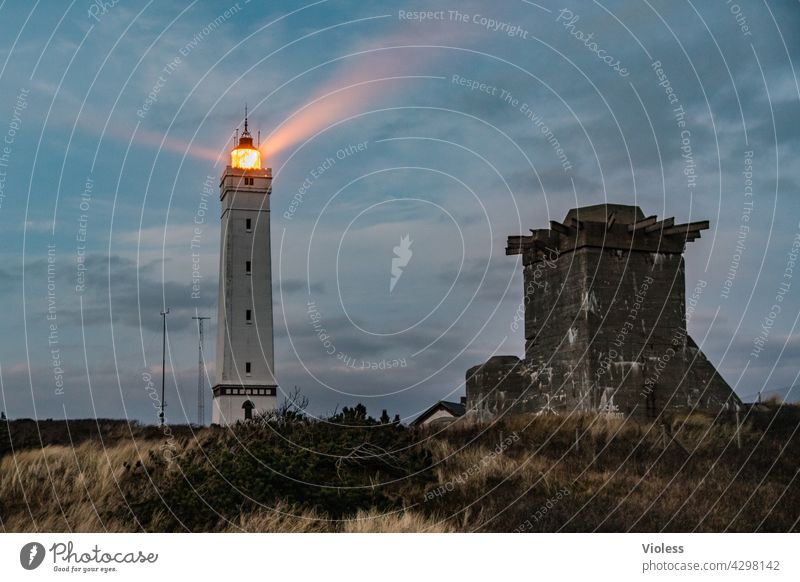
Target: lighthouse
245	367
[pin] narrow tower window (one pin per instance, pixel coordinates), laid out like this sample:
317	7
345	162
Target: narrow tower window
248	316
248	224
247	368
248	267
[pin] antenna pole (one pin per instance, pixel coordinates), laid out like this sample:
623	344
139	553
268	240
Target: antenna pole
163	363
201	413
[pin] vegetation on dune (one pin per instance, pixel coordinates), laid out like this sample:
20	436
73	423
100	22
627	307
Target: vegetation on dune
356	474
5	440
333	468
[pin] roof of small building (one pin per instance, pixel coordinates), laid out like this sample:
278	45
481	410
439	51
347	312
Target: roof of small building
454	408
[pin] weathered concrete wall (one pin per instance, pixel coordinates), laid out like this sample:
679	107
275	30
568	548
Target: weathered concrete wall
497	385
638	312
605	324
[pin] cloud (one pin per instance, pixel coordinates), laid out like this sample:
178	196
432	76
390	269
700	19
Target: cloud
292	286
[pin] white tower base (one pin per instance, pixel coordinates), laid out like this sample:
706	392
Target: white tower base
231	403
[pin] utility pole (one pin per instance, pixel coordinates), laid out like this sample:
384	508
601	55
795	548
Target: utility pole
738	429
163	363
201	413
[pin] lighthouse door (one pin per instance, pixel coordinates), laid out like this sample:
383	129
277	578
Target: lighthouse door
248	410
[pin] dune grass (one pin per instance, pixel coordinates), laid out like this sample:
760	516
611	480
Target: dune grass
522	473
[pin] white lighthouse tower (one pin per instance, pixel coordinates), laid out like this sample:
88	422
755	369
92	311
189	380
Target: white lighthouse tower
245	360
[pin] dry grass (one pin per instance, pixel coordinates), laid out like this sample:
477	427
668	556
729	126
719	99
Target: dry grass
401	521
281	519
58	488
618	476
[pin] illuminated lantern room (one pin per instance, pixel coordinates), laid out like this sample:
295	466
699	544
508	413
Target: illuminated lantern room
245	155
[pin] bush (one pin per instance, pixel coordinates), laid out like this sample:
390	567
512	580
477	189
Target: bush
311	466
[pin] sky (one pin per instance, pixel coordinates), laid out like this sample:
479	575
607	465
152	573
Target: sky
450	124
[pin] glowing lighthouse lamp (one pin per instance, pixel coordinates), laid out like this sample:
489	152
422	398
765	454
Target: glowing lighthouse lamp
245	156
245	386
